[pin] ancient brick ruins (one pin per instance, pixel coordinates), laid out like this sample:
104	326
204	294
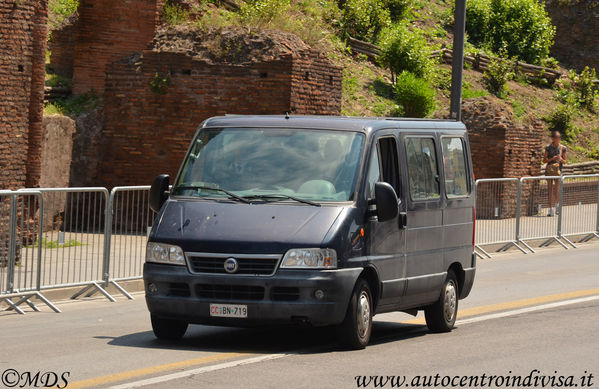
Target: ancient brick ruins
22	59
155	100
109	30
502	148
576	38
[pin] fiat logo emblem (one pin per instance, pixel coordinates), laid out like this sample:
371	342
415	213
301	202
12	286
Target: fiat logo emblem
231	265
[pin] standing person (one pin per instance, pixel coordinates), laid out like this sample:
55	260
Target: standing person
555	157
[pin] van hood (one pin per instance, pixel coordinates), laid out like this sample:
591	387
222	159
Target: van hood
237	228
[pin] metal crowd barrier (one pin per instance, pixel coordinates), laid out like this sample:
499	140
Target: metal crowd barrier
496	209
515	212
129	221
579	208
21	228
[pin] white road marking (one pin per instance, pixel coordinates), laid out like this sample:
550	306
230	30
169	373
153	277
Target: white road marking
263	358
520	311
200	370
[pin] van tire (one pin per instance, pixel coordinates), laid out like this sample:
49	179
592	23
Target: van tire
168	329
354	333
441	316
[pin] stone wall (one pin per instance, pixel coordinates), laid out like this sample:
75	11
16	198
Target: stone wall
22	60
56	151
576	39
109	30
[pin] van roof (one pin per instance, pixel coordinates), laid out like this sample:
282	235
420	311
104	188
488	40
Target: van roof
363	124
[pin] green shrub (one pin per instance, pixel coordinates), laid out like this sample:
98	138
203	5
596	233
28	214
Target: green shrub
498	73
405	50
259	13
414	96
521	26
585	89
561	120
174	14
59	10
365	19
398	9
579	90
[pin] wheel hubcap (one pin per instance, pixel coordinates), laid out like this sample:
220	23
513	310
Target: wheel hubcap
451	300
363	314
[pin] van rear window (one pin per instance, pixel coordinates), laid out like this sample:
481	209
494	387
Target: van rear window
454	163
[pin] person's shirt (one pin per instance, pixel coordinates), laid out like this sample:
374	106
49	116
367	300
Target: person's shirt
552	151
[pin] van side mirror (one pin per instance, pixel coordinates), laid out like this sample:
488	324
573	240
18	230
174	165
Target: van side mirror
159	192
386	201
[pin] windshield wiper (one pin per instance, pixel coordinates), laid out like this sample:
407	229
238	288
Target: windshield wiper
282	196
230	194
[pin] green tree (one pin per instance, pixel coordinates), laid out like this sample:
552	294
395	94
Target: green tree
365	19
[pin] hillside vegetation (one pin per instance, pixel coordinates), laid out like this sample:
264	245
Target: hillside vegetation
405	80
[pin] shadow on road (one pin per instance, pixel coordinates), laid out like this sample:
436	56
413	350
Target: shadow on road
264	340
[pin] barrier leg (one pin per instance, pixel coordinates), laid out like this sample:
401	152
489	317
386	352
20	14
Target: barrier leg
12	306
47	302
482	251
122	290
523	243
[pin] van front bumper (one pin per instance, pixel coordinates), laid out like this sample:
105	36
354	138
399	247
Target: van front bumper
287	297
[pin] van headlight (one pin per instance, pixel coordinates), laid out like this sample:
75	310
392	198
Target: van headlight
310	259
164	253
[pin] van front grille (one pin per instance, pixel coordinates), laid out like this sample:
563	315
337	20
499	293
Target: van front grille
284	293
248	264
179	290
230	292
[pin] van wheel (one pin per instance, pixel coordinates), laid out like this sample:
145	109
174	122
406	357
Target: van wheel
168	329
354	332
441	316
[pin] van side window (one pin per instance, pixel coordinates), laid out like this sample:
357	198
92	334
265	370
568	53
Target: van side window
454	162
388	148
374	173
383	166
422	168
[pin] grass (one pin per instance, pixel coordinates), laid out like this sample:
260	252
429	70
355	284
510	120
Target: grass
73	106
55	80
53	244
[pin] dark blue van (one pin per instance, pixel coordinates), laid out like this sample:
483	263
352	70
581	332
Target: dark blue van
313	220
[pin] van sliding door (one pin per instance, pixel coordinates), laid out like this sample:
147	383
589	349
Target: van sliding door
424	230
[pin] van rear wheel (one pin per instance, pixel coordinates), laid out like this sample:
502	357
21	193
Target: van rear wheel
441	316
167	328
355	331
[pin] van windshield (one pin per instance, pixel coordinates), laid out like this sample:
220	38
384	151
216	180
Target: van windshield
272	164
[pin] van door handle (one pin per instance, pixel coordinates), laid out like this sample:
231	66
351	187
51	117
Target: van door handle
402	220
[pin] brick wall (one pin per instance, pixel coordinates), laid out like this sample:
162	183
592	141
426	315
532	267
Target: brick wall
147	133
315	85
109	30
576	38
22	59
62	46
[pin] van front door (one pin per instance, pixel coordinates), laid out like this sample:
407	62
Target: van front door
424	230
386	240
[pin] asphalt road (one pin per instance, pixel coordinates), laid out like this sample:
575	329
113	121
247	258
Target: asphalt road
528	315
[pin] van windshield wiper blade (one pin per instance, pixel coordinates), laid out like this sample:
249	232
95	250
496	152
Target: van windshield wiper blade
230	194
282	196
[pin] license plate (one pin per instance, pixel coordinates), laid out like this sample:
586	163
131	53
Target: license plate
229	310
